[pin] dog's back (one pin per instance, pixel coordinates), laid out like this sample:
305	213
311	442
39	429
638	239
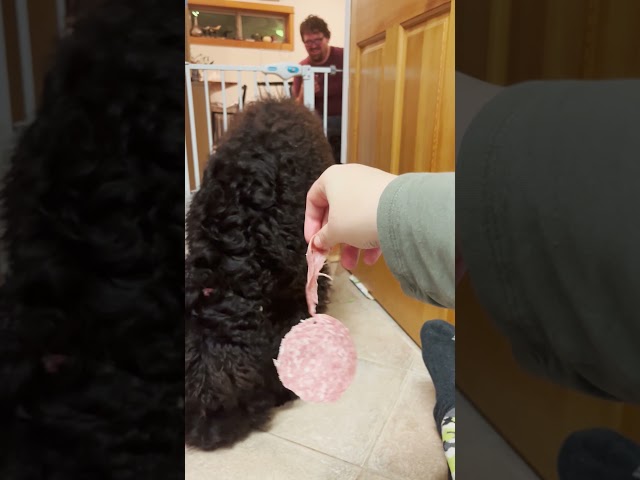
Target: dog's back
246	269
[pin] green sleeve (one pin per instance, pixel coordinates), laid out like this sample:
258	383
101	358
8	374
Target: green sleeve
547	214
416	226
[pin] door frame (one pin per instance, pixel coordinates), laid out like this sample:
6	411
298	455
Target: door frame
345	82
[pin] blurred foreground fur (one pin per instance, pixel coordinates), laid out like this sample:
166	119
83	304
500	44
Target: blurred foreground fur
91	342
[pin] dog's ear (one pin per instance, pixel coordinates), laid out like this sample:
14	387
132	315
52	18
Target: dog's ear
193	299
196	287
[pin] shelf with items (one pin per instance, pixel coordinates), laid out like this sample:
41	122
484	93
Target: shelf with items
241	24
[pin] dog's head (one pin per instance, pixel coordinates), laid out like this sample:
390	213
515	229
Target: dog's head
269	158
245	224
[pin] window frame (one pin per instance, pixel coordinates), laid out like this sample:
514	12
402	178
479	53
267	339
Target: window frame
239	9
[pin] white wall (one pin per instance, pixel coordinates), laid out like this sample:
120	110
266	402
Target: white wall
332	11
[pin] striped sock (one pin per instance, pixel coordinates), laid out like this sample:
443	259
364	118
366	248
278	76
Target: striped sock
449	440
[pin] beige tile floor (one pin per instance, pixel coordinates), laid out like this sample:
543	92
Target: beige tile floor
381	429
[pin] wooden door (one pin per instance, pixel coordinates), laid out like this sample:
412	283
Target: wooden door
509	41
401	113
199	112
533	415
202	139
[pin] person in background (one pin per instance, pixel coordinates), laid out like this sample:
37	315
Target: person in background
315	36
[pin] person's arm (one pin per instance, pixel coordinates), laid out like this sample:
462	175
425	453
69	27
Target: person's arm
548	189
471	95
296	89
416	227
411	218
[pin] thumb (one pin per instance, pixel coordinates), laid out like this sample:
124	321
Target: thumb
322	240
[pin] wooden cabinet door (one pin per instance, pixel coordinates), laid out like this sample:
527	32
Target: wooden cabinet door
401	113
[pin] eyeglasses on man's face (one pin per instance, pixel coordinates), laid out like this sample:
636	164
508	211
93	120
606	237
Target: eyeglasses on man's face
313	41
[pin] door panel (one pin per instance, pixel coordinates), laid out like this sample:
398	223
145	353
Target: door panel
412	100
424	60
369	98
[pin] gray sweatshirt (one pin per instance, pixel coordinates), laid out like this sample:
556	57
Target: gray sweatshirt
416	226
547	212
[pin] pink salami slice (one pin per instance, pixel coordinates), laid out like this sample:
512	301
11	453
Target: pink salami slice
317	358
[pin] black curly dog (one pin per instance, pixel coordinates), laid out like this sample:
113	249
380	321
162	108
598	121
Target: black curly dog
246	269
91	341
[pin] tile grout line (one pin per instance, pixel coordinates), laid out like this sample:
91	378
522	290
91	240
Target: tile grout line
407	373
380	364
406	337
311	449
405	381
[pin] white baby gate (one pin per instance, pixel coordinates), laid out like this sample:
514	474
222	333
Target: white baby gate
251	83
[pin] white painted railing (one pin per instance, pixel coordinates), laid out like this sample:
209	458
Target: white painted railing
243	84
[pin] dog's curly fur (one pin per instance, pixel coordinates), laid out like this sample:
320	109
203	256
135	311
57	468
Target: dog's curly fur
91	342
246	269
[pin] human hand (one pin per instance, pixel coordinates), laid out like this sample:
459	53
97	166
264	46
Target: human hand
342	207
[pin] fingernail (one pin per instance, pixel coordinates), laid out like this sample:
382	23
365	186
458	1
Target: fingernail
317	244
